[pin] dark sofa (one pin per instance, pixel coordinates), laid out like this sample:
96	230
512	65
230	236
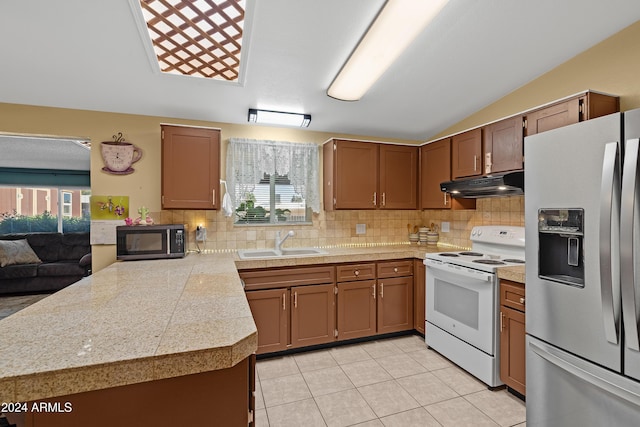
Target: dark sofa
66	258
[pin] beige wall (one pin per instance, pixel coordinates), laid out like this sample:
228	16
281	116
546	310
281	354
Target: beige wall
610	66
142	186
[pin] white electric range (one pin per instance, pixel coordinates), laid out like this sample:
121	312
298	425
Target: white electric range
462	301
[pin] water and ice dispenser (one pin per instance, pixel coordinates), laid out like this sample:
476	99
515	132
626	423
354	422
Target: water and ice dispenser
561	243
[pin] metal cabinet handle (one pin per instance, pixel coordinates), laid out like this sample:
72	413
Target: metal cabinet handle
374	291
384	199
381	290
501	321
295	299
521	300
475	163
356	272
375	198
445	199
395	269
213	195
284	302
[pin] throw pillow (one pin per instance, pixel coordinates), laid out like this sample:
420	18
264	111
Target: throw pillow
17	252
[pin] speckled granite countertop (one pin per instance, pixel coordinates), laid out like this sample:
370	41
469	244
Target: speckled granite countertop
142	321
348	254
515	273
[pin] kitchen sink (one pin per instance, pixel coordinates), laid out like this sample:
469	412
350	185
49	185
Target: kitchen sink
286	253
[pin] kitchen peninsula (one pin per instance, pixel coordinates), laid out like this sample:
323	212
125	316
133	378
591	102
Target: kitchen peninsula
166	342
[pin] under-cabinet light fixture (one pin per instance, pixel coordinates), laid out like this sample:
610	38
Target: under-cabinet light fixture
396	26
279	118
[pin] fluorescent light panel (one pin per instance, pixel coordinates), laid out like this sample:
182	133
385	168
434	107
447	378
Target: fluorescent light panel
393	30
279	118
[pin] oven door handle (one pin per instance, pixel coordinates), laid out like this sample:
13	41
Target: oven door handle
457	270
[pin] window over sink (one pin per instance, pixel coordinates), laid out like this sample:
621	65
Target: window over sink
272	182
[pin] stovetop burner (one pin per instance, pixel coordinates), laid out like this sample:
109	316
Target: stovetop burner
451	254
514	261
471	253
489	261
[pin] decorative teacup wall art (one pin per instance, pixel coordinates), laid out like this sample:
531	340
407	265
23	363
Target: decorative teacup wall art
118	155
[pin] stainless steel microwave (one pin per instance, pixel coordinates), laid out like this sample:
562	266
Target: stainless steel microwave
151	241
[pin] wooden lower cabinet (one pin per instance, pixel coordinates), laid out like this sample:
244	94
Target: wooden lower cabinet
419	301
270	310
512	336
212	398
312	315
356	309
395	304
370	298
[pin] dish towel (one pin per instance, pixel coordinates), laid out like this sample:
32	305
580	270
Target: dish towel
227	206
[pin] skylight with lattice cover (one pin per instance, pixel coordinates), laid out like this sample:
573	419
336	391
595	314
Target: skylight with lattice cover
201	38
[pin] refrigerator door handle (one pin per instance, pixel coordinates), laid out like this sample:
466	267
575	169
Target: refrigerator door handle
609	248
556	358
629	223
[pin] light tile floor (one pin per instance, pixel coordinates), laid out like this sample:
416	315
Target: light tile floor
391	382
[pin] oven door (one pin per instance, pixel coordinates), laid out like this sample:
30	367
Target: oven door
462	302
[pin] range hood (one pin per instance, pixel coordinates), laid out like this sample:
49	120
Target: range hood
507	184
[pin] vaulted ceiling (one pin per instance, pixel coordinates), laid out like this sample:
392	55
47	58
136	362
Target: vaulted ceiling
89	54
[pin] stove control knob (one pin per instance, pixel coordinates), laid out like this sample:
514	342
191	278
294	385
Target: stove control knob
479	233
474	232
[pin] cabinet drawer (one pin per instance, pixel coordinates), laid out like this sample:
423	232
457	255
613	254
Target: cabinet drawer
512	295
351	272
286	277
400	268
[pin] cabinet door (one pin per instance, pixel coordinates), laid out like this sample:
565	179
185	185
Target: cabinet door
270	310
503	146
395	304
313	316
466	154
190	167
435	167
554	116
398	177
356	309
419	301
355	182
512	349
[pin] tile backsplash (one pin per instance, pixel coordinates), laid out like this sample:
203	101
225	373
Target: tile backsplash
338	228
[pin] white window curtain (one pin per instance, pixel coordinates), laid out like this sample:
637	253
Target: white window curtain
249	159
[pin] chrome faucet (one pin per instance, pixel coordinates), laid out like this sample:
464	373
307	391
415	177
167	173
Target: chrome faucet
278	242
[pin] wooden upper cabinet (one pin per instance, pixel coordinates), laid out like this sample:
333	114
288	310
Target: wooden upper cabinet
503	145
466	154
398	177
190	167
350	175
435	167
569	111
367	175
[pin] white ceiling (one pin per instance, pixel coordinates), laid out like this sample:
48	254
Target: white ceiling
88	54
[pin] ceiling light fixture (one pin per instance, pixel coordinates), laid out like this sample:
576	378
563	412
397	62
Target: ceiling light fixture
396	26
279	118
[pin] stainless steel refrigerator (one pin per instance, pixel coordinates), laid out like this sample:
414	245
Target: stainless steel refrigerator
582	220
